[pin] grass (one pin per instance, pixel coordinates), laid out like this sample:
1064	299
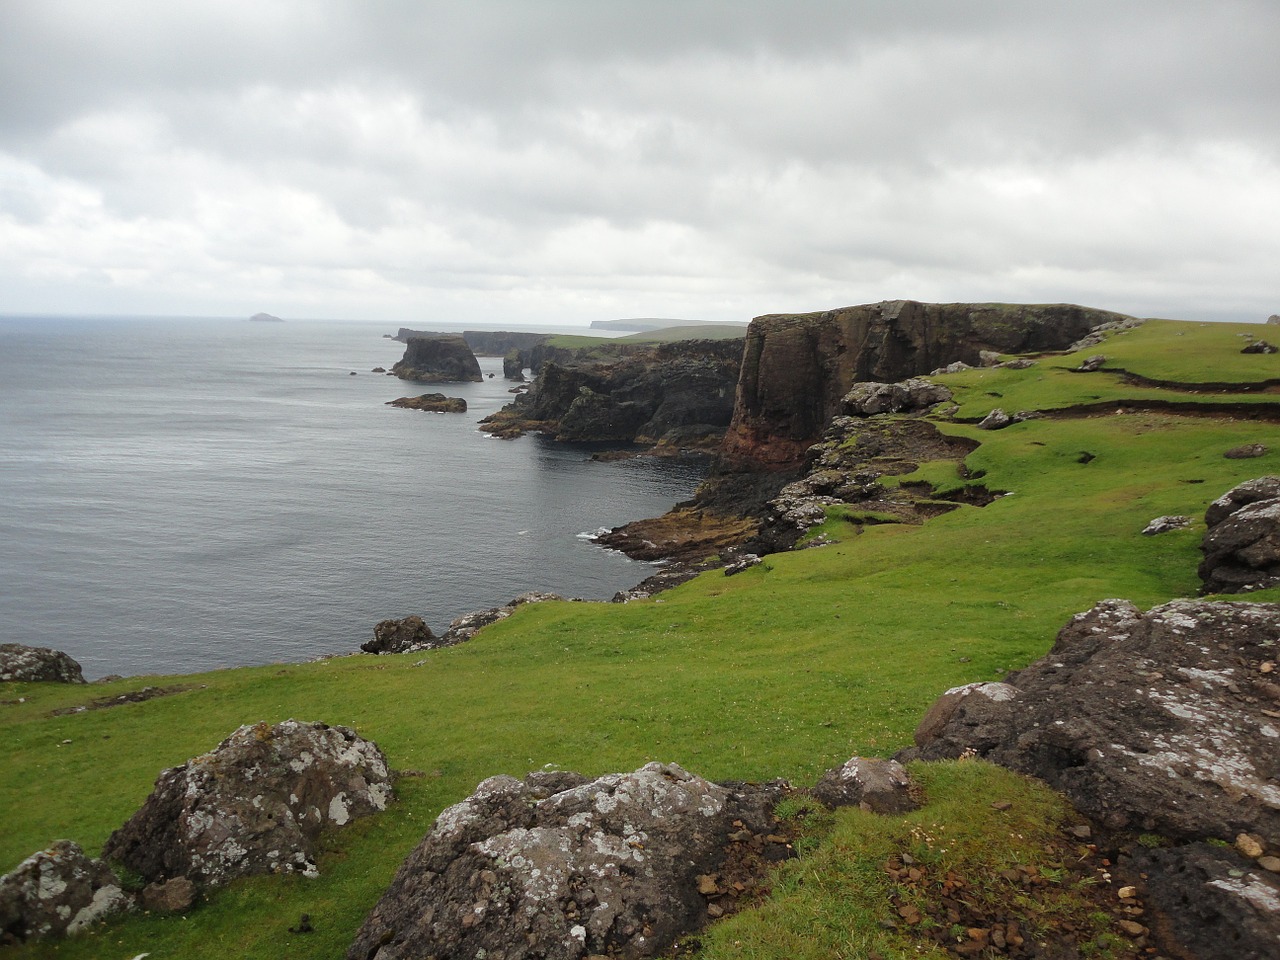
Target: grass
786	669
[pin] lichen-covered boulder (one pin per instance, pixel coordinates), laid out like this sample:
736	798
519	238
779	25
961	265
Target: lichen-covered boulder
21	663
1242	544
1166	524
1164	721
256	804
400	636
871	397
622	865
56	892
880	786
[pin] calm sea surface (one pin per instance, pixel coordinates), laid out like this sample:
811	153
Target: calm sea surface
189	494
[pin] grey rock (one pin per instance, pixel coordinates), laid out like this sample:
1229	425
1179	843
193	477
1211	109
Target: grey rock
987	700
1246	451
956	366
1260	346
603	866
997	419
468	625
256	804
988	358
1242	552
1017	363
23	664
57	892
744	562
870	397
1092	363
1145	721
400	636
1243	494
1166	524
170	896
1210	902
880	786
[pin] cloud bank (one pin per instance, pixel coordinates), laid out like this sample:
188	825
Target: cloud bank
568	161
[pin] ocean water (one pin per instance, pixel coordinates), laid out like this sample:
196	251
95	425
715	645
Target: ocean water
181	495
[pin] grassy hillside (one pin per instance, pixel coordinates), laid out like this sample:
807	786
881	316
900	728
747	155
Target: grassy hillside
784	670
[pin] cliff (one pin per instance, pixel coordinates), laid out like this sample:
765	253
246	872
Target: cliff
797	367
439	358
677	393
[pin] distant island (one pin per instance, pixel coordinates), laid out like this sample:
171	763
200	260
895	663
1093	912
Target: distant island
265	318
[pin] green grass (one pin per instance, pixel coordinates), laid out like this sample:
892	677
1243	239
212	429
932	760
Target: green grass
783	670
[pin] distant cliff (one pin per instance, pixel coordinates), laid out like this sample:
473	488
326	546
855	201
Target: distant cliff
796	367
679	393
484	343
438	358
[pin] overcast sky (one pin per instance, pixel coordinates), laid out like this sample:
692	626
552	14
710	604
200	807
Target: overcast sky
543	161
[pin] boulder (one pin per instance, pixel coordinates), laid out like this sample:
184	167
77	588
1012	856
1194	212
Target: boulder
943	709
23	664
1166	524
431	403
170	896
438	358
256	804
1274	319
872	397
744	562
880	786
1242	545
1163	721
1246	451
1260	346
56	892
400	636
997	419
559	866
1092	363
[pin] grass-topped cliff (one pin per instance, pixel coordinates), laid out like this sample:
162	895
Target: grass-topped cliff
782	671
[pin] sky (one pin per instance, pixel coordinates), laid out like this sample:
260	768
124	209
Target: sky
562	161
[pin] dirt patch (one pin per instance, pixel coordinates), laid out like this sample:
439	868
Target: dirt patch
133	696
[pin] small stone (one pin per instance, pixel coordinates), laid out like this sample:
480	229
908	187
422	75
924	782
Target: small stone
1132	928
1267	667
1127	893
171	896
1270	863
715	911
1249	845
1081	831
1001	805
707	885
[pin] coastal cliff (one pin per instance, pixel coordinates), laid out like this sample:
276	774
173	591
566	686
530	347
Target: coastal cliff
797	367
438	358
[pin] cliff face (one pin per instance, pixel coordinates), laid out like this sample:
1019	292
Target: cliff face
796	367
677	393
442	358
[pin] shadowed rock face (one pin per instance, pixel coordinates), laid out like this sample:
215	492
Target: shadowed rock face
558	866
1242	543
56	892
37	665
443	358
797	367
256	804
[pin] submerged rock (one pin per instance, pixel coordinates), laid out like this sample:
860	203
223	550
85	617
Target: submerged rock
558	866
256	804
23	664
56	892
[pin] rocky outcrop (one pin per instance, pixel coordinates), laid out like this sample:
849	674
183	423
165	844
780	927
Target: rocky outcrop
912	395
468	625
1165	724
55	893
679	393
1166	524
1166	721
441	358
1242	545
23	664
556	865
431	403
256	804
400	636
797	368
880	786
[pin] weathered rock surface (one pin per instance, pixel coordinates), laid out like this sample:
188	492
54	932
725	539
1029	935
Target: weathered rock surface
1246	451
438	358
1260	346
431	403
997	419
256	804
1166	524
1164	721
169	896
56	892
557	866
1242	545
468	625
797	368
400	636
1090	364
871	397
20	663
1211	902
881	786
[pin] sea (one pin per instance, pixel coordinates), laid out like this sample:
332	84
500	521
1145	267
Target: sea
179	495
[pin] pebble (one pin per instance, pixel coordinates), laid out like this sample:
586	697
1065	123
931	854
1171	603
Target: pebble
1128	893
1249	845
1270	863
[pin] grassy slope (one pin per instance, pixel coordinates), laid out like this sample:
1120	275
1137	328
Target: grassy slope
783	670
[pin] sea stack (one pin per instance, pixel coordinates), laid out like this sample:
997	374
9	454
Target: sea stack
438	358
